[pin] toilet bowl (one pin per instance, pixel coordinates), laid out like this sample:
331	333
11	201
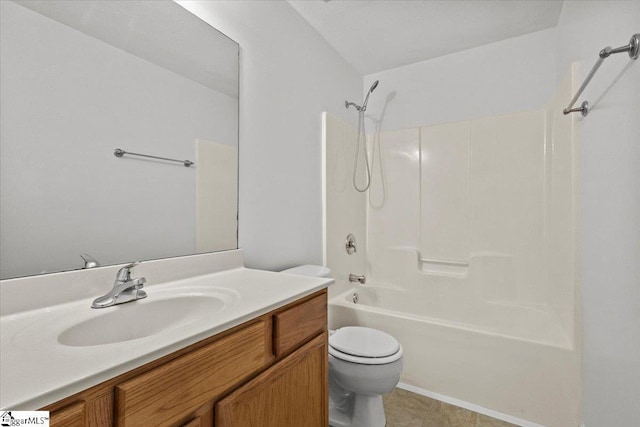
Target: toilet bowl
364	364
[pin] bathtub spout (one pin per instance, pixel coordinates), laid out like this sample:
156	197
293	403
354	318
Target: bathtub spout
355	278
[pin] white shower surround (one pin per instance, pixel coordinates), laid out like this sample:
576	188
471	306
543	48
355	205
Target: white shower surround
497	326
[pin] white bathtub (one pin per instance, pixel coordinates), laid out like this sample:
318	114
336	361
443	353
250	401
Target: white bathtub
512	359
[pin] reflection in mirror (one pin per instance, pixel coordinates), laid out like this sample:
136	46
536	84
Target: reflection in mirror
82	78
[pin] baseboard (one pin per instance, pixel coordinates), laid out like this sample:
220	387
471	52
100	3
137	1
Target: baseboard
470	406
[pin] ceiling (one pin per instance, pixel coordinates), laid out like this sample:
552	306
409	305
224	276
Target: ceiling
376	35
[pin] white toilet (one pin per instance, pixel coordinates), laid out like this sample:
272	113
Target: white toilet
364	364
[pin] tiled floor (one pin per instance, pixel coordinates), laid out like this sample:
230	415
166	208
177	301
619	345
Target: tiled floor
406	409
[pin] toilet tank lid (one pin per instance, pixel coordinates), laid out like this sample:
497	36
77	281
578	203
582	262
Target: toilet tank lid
364	342
309	270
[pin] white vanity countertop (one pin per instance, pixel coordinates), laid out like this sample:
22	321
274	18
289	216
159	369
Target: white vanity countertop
37	370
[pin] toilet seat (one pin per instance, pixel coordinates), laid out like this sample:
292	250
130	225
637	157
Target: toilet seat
365	360
364	346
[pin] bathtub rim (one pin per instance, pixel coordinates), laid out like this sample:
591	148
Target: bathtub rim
341	300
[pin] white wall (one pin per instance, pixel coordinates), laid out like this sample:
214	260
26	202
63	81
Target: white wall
288	76
517	74
609	208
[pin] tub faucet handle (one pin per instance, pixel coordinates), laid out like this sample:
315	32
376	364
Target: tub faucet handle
350	244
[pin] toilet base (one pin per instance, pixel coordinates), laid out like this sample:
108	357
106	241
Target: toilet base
364	411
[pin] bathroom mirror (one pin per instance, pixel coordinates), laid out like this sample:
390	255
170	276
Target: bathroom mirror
80	79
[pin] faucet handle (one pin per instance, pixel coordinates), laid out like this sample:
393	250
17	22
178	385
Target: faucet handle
124	274
89	261
139	282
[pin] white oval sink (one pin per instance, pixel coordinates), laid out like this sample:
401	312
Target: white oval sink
141	319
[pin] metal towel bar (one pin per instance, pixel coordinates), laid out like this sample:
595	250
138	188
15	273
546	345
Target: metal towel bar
119	153
633	48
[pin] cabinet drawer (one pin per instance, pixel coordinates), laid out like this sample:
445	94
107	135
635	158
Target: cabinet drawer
168	394
299	323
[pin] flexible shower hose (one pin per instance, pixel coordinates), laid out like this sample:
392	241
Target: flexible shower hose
361	136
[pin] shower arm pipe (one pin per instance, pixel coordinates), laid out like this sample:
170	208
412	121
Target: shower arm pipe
633	48
348	104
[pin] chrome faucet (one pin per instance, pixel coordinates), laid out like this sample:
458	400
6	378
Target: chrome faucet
355	278
125	289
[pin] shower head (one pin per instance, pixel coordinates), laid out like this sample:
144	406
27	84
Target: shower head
366	99
362	109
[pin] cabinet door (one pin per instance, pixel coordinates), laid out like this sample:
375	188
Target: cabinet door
292	393
69	416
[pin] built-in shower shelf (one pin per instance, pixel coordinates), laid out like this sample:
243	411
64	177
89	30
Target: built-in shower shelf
444	267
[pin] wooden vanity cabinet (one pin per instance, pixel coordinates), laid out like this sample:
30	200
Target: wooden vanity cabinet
271	371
